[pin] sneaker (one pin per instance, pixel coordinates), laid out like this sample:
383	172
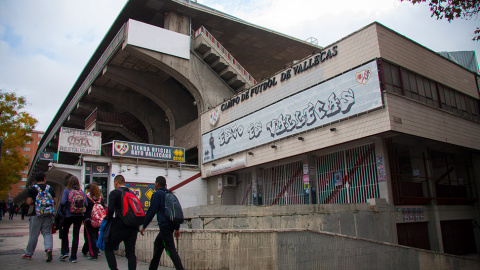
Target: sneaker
63	257
49	255
26	257
73	260
93	258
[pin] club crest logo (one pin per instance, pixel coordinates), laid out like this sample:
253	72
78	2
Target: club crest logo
363	76
46	155
213	117
100	169
137	192
121	148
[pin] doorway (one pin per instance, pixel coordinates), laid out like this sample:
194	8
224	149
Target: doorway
98	173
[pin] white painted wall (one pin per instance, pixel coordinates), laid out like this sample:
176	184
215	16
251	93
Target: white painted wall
192	194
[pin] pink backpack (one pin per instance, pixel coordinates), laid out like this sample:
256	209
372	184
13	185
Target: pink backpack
98	214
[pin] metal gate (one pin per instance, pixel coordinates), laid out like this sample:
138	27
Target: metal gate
283	184
348	176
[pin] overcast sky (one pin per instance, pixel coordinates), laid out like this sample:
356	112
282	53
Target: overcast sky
45	44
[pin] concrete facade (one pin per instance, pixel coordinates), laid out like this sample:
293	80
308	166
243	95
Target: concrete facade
372	137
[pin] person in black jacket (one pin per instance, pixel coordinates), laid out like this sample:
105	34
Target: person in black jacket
119	231
164	238
90	233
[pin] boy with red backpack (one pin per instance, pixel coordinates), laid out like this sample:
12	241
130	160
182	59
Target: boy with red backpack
129	216
74	201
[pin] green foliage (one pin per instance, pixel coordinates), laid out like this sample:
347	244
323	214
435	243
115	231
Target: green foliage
15	125
453	9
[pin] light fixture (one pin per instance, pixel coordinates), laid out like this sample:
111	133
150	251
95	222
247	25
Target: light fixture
250	153
214	164
194	103
301	139
128	167
274	146
333	129
230	159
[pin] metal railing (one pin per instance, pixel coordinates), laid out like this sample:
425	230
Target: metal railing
219	48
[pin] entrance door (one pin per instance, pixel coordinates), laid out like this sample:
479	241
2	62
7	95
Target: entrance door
101	182
98	173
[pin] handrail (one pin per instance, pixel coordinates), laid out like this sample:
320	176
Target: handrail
218	47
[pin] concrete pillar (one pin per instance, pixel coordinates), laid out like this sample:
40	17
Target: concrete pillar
177	23
384	177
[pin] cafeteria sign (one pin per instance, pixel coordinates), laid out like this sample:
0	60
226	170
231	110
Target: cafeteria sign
148	151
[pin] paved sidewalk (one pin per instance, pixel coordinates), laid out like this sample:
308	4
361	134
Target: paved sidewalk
14	238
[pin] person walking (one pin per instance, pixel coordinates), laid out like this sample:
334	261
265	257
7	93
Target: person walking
23	210
164	239
90	232
2	206
11	210
74	201
119	231
43	197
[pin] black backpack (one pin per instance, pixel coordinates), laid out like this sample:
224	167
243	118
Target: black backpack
173	209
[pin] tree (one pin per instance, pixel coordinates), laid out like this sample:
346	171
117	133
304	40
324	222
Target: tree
453	9
15	126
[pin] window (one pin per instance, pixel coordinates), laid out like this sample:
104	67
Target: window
28	142
27	149
406	83
40	135
22	186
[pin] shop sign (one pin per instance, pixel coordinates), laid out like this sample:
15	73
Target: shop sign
354	92
80	141
48	156
287	74
143	191
148	151
225	167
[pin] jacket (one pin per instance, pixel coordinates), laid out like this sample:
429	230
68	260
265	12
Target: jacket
157	207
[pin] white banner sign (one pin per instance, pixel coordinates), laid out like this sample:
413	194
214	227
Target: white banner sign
354	92
80	141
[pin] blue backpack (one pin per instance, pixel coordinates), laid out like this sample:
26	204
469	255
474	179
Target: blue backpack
173	209
44	204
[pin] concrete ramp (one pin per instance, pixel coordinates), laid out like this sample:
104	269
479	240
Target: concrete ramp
295	249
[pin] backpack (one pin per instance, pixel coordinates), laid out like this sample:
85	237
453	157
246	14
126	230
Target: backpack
173	209
132	210
44	204
98	214
76	201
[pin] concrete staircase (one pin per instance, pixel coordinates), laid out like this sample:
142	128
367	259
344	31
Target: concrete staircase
221	61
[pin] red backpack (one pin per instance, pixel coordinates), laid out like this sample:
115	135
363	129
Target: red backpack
132	210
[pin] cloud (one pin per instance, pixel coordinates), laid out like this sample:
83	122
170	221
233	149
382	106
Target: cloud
44	46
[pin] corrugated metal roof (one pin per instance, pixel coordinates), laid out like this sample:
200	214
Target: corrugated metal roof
467	59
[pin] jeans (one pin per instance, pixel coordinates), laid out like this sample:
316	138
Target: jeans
77	222
129	238
165	241
39	225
